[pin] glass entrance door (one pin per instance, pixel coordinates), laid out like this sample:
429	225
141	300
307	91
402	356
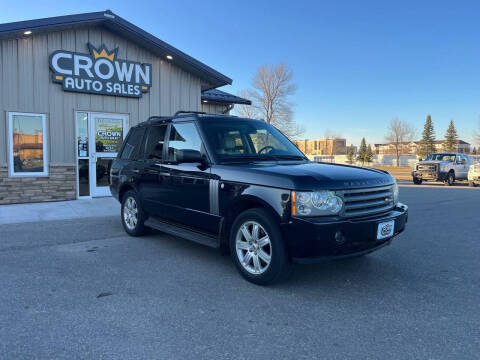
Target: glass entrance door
107	132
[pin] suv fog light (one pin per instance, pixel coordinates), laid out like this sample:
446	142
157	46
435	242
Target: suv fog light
339	238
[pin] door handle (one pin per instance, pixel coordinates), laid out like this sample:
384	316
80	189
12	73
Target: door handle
136	171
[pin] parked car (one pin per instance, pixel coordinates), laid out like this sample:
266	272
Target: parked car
446	167
240	185
474	174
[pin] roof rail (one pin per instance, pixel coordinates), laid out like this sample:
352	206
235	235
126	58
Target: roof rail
189	112
155	118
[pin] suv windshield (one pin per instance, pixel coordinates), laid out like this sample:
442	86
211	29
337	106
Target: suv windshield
440	157
244	139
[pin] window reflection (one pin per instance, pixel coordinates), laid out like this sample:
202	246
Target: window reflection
103	171
82	134
83	177
27	141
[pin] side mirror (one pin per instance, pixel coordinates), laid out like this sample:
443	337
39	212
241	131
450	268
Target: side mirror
190	156
464	161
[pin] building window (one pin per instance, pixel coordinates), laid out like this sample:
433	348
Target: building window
27	144
82	154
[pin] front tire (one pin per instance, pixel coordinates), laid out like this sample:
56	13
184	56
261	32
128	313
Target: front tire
450	179
133	216
257	248
417	181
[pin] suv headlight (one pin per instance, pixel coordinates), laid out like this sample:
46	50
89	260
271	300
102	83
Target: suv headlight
316	203
395	193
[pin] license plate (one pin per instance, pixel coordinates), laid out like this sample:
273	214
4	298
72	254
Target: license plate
385	229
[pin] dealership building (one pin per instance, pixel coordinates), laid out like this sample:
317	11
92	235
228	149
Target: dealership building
72	86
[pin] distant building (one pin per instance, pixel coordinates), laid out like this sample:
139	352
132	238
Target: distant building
353	147
333	146
412	147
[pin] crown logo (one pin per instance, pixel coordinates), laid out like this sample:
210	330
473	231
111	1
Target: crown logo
102	52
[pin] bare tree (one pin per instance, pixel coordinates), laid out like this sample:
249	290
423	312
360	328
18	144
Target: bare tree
272	89
246	111
399	132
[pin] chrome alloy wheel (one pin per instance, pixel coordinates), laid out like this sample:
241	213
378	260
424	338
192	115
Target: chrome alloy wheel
130	213
254	250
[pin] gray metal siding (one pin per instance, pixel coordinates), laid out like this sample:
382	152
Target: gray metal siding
26	86
214	108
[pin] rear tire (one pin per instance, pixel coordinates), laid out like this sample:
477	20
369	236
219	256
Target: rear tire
450	179
133	216
417	181
257	248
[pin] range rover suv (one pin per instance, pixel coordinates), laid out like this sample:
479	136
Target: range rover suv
241	186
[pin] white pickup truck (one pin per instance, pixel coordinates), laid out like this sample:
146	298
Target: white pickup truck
446	167
474	174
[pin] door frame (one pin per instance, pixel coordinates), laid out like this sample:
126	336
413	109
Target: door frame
89	113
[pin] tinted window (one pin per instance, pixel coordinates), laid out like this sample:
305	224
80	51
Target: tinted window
132	144
183	136
244	139
440	157
263	139
155	140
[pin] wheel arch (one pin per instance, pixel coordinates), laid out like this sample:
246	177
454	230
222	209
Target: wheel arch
241	204
123	189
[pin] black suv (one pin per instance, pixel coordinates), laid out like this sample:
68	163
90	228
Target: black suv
240	185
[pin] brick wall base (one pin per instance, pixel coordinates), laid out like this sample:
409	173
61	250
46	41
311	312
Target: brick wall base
60	184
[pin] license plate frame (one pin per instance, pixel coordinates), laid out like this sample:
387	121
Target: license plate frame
385	229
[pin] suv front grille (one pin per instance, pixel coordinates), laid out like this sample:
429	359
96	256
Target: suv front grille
427	167
363	202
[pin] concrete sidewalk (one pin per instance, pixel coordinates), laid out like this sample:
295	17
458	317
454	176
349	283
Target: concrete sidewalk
59	210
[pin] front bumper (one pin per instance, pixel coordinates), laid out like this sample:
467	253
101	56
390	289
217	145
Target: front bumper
474	178
312	240
434	176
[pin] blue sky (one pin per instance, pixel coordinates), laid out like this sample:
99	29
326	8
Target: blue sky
357	64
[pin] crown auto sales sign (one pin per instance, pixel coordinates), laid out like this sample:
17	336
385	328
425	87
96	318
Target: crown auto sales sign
100	72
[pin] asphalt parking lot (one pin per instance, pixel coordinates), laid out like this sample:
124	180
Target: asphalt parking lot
82	289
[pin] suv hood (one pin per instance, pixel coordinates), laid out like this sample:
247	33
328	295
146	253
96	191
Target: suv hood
304	175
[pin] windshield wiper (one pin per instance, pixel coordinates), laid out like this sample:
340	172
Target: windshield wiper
290	157
249	158
265	157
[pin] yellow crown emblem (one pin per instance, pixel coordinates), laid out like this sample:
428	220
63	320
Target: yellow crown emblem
102	52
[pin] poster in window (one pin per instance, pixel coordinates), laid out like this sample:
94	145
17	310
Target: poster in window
108	135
